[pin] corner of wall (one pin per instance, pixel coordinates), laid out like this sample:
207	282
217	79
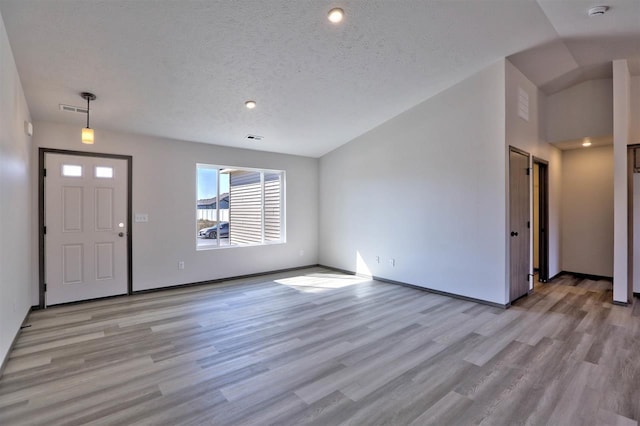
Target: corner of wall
621	126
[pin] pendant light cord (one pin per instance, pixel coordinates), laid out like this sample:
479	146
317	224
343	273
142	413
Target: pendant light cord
88	112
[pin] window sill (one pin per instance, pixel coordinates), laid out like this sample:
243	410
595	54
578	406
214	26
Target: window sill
215	247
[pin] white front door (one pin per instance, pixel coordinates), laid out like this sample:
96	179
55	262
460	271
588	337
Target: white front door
86	227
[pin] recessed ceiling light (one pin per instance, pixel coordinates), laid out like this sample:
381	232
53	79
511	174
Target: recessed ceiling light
598	10
587	142
250	104
336	14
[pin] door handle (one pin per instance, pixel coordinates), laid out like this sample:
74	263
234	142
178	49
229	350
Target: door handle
514	234
121	226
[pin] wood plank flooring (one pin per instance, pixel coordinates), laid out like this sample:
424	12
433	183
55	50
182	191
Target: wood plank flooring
321	348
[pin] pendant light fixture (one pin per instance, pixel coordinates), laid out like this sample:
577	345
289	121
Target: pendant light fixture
87	132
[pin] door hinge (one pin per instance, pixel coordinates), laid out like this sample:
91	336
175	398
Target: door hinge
528	170
528	225
45	230
44	172
45	286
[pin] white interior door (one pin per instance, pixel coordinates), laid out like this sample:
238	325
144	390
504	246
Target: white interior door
86	227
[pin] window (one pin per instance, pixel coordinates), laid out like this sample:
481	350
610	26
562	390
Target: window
237	206
71	170
104	172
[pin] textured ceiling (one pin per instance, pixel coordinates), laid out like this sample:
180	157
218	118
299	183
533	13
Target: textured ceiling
183	69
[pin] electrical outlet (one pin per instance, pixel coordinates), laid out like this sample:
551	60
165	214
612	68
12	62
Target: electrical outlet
392	262
181	264
377	259
301	253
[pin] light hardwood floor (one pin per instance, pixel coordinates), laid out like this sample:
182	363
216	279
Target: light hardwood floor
318	347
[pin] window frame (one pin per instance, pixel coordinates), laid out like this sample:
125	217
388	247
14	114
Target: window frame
263	242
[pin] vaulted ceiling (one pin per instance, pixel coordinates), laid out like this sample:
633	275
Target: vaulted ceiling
183	69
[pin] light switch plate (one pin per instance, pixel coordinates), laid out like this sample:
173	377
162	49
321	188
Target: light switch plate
142	217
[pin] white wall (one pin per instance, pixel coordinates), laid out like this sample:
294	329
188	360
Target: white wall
555	213
164	185
15	186
634	136
426	188
621	127
587	211
529	136
634	115
535	211
583	110
636	232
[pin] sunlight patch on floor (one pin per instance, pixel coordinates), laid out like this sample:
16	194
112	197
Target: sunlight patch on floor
319	282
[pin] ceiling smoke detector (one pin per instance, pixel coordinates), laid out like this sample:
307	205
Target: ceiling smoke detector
598	10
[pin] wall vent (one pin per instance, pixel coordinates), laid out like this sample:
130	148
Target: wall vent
254	137
71	108
598	10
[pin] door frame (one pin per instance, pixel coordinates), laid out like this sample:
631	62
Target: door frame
632	165
543	217
41	178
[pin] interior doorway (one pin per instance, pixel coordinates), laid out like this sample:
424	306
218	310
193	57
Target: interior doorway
540	220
